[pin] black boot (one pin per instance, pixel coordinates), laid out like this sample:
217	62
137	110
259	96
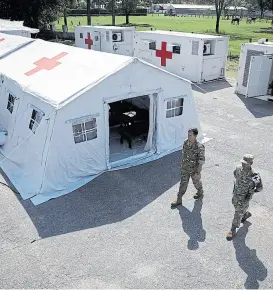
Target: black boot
199	194
246	216
176	202
231	234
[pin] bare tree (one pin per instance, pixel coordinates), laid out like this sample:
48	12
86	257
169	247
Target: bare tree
67	4
65	16
263	5
219	5
127	7
111	5
88	12
226	7
113	12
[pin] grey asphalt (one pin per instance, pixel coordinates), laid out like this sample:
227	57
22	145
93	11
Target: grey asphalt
120	232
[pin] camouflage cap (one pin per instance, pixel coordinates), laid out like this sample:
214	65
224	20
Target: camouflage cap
247	159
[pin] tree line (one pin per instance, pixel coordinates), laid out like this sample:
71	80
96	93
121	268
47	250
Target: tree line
34	13
222	5
38	13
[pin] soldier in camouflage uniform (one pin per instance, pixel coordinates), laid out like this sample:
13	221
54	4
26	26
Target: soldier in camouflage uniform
246	183
193	157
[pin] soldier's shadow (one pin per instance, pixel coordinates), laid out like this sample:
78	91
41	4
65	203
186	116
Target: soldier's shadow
192	224
248	260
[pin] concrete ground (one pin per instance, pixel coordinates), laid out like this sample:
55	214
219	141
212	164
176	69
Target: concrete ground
119	231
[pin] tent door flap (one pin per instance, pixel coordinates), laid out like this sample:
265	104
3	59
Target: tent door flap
259	75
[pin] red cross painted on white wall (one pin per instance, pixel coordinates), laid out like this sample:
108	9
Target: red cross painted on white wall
2	39
163	53
46	63
89	40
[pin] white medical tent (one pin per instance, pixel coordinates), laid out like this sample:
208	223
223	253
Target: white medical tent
9	43
255	72
58	104
16	28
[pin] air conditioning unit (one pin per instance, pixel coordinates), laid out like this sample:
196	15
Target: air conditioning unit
116	37
262	41
207	49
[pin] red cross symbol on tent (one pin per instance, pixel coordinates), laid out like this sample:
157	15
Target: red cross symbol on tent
46	63
2	39
163	53
89	40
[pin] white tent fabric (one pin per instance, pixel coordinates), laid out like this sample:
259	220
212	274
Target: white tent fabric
10	43
56	87
7	25
72	70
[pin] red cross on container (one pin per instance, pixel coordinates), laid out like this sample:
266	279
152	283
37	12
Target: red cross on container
89	40
46	63
2	39
163	53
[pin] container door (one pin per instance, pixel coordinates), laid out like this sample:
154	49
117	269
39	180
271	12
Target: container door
145	50
212	69
96	41
259	75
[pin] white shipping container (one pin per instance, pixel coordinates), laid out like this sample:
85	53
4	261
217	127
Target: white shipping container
111	39
255	72
197	57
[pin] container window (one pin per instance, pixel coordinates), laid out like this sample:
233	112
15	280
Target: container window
152	45
176	49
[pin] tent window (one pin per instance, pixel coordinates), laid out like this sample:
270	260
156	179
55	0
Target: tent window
85	130
35	120
152	45
11	101
174	108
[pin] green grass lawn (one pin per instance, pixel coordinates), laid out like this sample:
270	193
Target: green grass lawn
238	33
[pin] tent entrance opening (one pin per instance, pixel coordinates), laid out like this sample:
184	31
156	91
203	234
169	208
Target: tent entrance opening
129	124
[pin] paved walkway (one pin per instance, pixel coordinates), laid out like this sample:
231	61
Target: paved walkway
119	231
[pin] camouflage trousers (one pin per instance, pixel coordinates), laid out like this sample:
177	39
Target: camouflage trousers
196	180
240	210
